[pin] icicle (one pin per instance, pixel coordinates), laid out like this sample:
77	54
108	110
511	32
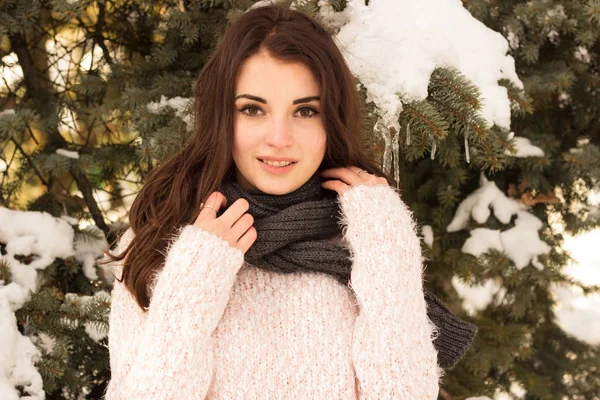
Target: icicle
467	155
396	153
408	134
433	147
391	150
387	152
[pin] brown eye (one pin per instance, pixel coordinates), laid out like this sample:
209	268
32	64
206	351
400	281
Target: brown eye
249	107
308	109
252	111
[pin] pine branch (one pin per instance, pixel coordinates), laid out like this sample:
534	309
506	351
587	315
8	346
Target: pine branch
5	272
98	37
86	190
26	156
34	77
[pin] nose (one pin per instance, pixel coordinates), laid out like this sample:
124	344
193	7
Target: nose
280	133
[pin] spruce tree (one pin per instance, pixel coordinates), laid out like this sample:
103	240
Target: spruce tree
555	45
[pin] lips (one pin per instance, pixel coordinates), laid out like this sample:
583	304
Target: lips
263	160
277	170
269	158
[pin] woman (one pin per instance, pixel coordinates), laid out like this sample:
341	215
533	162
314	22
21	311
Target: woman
274	281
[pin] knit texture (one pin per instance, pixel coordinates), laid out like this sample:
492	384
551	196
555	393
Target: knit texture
220	328
294	234
293	228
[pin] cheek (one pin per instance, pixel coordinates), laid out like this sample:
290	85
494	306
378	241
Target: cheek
316	143
243	141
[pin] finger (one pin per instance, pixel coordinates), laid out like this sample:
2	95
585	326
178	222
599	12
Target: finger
241	225
370	179
216	200
219	200
344	174
247	239
335	185
233	213
356	170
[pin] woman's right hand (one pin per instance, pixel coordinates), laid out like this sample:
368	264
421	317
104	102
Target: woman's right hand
234	225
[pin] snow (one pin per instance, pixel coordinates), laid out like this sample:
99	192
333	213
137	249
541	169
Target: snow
44	342
393	46
564	99
521	243
10	111
517	391
17	352
477	205
179	104
524	147
88	250
553	37
513	40
477	297
577	314
92	330
69	154
582	54
46	238
482	240
427	233
70	220
36	233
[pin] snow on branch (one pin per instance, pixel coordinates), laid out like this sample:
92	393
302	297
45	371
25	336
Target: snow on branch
42	238
521	243
395	45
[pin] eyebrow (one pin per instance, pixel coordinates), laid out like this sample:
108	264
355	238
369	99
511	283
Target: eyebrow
261	100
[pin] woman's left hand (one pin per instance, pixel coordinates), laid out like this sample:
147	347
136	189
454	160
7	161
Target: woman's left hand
346	177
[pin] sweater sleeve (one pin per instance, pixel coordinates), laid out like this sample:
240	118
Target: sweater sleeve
189	297
393	352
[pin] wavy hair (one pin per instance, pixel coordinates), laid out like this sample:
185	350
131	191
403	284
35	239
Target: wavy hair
173	191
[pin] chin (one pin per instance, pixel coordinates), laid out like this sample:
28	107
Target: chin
273	185
275	188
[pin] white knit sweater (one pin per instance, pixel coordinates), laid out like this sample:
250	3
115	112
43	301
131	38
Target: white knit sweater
218	328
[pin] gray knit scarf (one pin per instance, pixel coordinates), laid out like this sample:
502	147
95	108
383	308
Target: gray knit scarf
292	236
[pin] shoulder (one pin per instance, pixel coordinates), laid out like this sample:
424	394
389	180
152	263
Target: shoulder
381	193
372	200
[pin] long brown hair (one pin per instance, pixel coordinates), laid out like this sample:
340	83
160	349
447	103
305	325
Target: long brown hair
173	191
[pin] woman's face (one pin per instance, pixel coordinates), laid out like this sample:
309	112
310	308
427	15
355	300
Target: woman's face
278	116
